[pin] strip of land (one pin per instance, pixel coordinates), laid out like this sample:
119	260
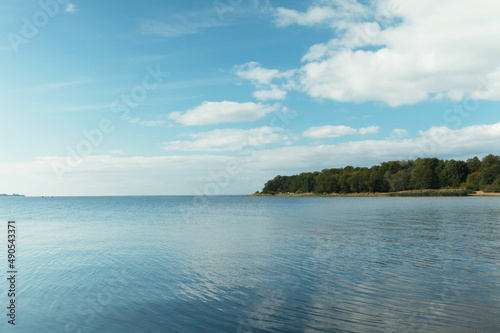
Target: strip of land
420	177
485	194
413	193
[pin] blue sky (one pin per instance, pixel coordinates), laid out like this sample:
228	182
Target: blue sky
202	97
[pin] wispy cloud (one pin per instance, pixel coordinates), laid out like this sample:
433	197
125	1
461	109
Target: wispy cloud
152	123
263	78
176	28
147	58
330	131
59	85
198	83
230	139
71	8
132	120
315	15
254	72
336	13
273	93
399	133
88	107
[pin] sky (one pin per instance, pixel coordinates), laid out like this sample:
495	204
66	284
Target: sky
216	97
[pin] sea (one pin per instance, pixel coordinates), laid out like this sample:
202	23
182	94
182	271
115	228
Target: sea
251	264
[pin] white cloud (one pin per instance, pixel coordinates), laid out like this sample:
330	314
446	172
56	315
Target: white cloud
263	78
89	107
273	93
369	130
115	175
436	142
229	139
403	53
132	120
178	27
70	8
254	72
334	13
315	15
209	113
330	131
152	123
399	133
154	27
147	58
59	85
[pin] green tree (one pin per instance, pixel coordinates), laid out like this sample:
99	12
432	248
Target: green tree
344	182
454	173
435	165
490	169
422	177
474	181
495	187
423	173
306	182
473	164
354	182
292	184
274	185
327	182
364	179
400	181
373	182
490	173
490	160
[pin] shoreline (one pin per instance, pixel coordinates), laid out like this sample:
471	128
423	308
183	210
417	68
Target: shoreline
485	194
419	193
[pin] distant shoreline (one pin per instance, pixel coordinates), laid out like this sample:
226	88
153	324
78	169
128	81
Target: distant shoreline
415	193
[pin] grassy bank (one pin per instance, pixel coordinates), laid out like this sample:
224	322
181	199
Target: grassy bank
412	193
319	195
431	193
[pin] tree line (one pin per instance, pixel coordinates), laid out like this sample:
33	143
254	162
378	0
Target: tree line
423	173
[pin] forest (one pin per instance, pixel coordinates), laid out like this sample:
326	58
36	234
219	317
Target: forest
424	173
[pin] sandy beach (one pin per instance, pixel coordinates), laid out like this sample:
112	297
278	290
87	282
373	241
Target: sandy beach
481	193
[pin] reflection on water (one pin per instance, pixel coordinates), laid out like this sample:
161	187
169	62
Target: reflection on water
240	264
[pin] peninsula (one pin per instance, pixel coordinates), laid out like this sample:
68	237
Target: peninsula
420	177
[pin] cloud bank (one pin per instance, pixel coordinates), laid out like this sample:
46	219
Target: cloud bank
394	52
178	174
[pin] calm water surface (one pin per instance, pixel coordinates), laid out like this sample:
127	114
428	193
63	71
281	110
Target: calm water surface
245	264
